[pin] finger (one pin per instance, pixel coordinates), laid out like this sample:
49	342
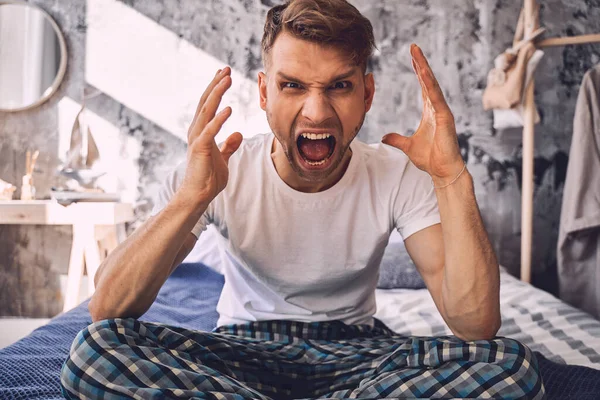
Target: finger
232	143
214	126
398	141
208	110
432	91
218	77
428	110
207	91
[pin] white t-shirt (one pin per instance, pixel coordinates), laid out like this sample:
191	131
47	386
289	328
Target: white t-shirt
309	257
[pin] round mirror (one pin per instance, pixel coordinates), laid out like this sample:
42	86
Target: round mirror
33	56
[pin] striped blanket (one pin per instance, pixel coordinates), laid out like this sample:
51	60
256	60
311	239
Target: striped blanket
535	318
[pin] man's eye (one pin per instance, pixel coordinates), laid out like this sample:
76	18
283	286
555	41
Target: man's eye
342	85
291	85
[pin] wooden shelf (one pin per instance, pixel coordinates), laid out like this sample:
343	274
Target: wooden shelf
49	212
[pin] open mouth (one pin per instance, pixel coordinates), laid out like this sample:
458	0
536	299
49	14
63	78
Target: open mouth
315	148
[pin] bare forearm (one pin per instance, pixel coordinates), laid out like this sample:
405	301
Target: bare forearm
471	283
128	281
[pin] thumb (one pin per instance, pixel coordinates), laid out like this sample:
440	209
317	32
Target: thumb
232	143
398	141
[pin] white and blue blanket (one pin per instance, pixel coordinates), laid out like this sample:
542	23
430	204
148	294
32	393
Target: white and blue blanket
30	368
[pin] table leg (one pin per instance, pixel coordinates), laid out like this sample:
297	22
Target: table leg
121	233
92	256
107	237
89	242
75	269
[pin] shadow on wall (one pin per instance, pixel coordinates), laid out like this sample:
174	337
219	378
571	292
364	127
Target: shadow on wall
28	285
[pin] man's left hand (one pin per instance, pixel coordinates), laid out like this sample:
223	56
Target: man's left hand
434	146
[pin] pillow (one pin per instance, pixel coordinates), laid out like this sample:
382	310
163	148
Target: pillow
397	269
206	251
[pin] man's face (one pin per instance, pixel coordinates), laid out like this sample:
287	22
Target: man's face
316	100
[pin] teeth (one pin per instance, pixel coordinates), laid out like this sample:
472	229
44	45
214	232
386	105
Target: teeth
317	162
315	136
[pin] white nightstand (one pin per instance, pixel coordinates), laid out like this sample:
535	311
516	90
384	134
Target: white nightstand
97	229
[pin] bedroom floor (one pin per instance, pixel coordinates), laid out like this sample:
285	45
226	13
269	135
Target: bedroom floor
15	328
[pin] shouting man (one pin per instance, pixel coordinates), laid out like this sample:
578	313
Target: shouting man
304	214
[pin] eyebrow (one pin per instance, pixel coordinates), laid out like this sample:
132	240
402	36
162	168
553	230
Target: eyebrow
335	79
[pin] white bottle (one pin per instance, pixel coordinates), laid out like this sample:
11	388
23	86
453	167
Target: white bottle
27	189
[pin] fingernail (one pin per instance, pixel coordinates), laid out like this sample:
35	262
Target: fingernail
218	72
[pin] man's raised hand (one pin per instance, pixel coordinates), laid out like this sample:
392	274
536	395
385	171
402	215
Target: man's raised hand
207	171
434	146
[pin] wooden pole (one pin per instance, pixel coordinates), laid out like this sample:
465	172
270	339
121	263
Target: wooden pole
528	148
563	41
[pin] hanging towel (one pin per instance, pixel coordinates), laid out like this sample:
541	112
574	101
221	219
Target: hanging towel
515	117
579	232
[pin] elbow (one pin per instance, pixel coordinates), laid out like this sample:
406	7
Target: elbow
482	323
100	310
487	329
96	311
476	334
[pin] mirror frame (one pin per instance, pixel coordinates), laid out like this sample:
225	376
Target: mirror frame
63	59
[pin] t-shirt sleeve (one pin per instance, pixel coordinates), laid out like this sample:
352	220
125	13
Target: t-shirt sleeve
166	192
416	206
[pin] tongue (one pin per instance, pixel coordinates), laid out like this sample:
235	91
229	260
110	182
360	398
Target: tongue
314	150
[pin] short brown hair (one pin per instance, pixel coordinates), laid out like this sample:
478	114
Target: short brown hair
334	23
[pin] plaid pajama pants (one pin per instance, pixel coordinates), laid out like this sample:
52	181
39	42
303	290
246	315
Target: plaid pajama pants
283	359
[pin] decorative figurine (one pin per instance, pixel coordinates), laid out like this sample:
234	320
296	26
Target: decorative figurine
6	190
82	154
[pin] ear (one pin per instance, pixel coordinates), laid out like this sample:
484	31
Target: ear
369	90
262	90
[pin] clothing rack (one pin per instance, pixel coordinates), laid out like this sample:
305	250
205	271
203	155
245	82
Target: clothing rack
528	135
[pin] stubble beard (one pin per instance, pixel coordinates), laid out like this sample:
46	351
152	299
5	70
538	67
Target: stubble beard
289	144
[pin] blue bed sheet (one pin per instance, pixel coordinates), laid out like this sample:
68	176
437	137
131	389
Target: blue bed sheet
30	368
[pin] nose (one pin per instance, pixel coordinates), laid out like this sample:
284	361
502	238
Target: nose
317	108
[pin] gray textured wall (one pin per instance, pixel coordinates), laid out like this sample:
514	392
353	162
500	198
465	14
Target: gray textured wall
461	38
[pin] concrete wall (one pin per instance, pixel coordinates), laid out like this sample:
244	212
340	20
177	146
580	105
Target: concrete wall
150	76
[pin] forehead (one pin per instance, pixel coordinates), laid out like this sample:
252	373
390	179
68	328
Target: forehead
308	60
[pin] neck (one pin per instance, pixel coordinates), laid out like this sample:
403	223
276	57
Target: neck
291	178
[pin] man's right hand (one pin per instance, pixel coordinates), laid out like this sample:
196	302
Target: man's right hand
207	172
130	278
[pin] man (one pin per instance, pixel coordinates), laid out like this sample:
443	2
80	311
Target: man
304	215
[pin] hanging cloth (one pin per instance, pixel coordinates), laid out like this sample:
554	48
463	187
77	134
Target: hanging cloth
513	71
578	250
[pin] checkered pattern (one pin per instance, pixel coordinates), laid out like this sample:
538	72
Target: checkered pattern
285	359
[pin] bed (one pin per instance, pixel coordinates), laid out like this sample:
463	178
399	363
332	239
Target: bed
566	341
